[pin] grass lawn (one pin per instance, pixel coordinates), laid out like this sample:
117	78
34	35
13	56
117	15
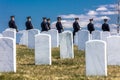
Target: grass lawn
66	69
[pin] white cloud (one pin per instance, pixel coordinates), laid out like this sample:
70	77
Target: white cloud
81	16
65	23
69	23
108	12
109	9
98	25
69	16
113	25
83	23
112	5
92	13
101	18
102	8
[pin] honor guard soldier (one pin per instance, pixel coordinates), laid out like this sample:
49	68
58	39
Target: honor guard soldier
28	23
59	25
90	26
76	26
12	23
44	25
105	26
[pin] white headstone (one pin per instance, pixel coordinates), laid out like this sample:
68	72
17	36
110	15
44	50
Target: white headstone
54	37
114	34
60	37
18	36
96	35
96	58
9	33
1	35
22	37
76	39
42	49
83	37
66	45
10	29
105	35
31	38
113	50
90	36
7	54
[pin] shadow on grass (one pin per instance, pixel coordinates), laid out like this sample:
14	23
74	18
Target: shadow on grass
29	64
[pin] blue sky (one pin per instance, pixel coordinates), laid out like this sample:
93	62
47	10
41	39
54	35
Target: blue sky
68	9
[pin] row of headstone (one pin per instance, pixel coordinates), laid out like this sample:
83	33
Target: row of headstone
28	37
23	37
66	47
82	37
43	47
99	35
42	53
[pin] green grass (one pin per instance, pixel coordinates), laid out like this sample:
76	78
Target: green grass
61	69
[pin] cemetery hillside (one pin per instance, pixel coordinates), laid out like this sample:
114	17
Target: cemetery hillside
49	55
60	40
65	69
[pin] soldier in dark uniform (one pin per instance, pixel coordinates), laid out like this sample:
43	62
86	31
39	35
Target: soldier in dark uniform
48	23
105	26
28	23
59	25
12	23
44	25
76	26
90	26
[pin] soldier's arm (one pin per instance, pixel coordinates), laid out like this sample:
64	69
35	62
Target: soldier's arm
31	25
102	27
108	27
